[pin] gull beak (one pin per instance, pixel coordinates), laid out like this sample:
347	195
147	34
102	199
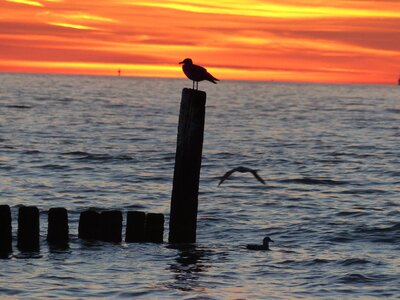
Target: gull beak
181	62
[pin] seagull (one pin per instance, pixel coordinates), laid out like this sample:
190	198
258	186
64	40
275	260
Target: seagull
264	246
241	170
196	73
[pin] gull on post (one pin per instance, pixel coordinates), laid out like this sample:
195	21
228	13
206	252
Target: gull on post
196	73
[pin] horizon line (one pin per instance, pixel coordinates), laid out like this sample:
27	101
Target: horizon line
182	78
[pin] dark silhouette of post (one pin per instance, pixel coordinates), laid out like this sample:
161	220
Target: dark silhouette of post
89	222
28	229
184	200
111	226
57	230
154	228
135	221
5	229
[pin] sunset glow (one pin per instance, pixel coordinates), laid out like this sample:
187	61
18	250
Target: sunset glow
313	41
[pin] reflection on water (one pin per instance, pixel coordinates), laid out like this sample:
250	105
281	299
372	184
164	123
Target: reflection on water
190	262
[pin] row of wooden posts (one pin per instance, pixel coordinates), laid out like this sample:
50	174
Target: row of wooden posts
105	226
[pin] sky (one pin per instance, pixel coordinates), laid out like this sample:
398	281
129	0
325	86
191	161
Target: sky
338	41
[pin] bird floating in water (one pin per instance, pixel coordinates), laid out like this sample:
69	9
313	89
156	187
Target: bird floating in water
196	73
241	170
264	246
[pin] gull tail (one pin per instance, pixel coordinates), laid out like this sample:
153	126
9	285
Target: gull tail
211	78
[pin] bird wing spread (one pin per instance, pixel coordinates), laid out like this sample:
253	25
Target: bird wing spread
257	176
227	174
241	169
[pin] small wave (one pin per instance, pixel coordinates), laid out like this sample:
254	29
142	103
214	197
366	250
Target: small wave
168	157
354	261
338	153
340	237
19	106
355	278
317	261
224	154
135	206
76	153
331	161
359	278
115	105
85	156
394	228
6	168
137	139
364	208
351	213
31	152
105	157
364	192
6	147
66	99
53	167
389	235
393	110
287	262
309	180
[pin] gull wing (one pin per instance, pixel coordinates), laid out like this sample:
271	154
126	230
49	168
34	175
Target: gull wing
257	176
227	174
199	69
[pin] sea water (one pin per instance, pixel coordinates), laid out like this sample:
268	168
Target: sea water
329	154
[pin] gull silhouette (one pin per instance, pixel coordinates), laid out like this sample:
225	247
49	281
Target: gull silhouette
241	170
196	73
264	246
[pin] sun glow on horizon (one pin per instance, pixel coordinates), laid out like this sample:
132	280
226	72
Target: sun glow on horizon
313	41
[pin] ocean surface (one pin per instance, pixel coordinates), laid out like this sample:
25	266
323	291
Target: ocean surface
330	156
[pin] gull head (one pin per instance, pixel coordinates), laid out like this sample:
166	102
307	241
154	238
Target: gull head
266	240
187	61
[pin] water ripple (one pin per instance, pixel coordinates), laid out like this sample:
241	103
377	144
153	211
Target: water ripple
329	155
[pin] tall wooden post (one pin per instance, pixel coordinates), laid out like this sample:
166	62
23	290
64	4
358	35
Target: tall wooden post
184	200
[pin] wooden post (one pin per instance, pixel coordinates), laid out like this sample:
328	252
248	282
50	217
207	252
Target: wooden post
135	227
5	229
57	231
28	228
184	200
154	229
88	228
111	226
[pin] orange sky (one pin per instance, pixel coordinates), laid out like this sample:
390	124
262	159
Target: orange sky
314	40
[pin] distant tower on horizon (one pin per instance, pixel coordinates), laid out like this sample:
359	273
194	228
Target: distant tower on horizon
119	72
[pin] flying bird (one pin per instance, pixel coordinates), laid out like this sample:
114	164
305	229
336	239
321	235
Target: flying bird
241	170
196	73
